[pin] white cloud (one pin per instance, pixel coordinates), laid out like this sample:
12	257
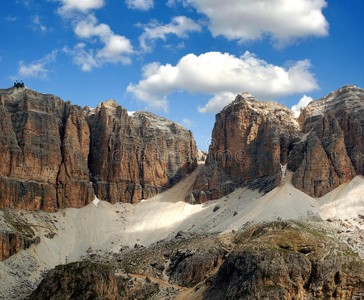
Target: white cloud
283	21
305	100
171	3
214	73
36	69
179	26
217	102
187	123
37	20
86	59
116	48
83	6
26	3
10	19
140	4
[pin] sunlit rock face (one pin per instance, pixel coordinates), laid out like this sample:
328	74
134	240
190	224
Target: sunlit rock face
256	143
333	151
136	157
55	155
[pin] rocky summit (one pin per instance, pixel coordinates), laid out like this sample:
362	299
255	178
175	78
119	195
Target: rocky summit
258	144
286	220
57	155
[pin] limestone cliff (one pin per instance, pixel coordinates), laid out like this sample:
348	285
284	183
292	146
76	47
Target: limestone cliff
285	260
254	143
55	155
80	280
138	156
331	151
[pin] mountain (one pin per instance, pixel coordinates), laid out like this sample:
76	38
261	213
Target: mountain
58	155
255	144
286	222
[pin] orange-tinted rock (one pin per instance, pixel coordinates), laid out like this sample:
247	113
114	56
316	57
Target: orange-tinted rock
73	183
250	143
56	155
138	156
253	142
11	243
333	151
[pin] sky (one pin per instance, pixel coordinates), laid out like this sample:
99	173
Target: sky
182	59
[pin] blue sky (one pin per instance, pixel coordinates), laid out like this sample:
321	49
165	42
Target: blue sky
182	59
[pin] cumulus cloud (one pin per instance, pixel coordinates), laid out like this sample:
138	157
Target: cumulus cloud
140	4
305	100
179	26
84	6
218	74
116	48
217	102
36	69
84	58
283	21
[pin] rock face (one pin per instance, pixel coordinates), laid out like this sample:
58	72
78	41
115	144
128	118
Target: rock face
57	155
273	260
80	280
136	157
331	151
284	261
15	234
13	242
254	143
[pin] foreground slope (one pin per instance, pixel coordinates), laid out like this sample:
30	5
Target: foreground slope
128	236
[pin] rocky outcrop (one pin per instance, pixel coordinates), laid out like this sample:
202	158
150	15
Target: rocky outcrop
80	280
254	143
13	242
57	155
188	267
331	151
136	157
274	260
16	234
287	261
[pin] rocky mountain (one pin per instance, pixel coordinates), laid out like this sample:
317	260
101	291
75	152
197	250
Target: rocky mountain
268	237
256	144
277	260
80	280
282	244
285	260
57	155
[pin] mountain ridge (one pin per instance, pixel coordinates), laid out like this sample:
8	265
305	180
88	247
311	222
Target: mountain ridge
59	155
253	141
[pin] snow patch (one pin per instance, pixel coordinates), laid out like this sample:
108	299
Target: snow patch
283	171
96	201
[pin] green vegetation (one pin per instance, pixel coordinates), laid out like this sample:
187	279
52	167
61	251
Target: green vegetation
272	288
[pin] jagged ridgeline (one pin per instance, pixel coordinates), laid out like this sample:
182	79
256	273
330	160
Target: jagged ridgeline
56	155
261	144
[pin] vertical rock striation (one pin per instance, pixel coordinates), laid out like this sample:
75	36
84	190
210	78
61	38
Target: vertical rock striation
55	155
332	150
138	156
254	143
